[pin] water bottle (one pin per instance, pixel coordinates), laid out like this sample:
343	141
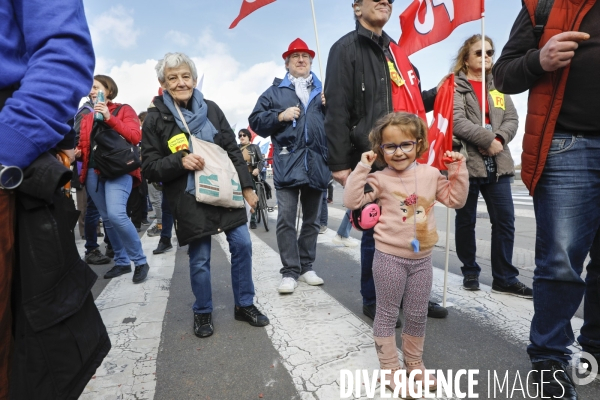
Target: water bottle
100	98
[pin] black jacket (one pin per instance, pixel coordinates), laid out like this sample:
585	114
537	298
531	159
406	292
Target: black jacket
60	338
193	220
357	98
304	160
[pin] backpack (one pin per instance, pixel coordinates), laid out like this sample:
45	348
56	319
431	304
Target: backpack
542	12
113	155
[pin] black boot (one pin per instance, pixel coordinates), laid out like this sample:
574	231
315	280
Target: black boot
117	270
434	310
203	326
163	245
141	272
557	384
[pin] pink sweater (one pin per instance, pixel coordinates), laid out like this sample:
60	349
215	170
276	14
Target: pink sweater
395	230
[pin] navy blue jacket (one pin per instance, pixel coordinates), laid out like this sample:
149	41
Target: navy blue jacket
306	160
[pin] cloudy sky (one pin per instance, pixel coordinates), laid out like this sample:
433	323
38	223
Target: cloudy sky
238	65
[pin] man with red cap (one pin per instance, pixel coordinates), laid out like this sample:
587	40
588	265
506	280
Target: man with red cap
292	111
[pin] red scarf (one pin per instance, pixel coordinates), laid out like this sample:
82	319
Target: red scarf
406	95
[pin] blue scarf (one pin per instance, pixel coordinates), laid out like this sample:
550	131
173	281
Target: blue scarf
197	121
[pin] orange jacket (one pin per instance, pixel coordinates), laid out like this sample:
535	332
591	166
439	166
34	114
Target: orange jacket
546	96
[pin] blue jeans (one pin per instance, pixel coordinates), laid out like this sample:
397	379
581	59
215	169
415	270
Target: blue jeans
324	217
367	252
498	198
345	226
240	247
167	220
566	202
110	197
297	253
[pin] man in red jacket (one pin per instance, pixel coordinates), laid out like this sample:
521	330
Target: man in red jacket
559	64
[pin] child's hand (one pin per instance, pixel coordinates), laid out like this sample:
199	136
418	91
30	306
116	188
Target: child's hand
368	157
452	156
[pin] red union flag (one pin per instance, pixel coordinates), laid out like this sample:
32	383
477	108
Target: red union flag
248	7
425	22
440	131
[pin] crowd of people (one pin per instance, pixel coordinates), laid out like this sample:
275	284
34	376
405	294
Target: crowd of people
365	128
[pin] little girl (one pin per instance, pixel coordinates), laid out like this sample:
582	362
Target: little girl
406	231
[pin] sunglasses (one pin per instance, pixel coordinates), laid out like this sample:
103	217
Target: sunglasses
241	136
391	148
490	53
389	1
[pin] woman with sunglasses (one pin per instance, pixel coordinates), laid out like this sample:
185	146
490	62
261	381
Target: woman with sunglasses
254	159
490	164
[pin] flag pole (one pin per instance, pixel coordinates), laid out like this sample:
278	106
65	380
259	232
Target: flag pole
483	54
447	256
317	37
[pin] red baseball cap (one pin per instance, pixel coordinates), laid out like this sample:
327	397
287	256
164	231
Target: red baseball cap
298	46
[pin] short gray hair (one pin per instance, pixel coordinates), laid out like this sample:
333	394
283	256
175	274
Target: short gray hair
174	60
357	2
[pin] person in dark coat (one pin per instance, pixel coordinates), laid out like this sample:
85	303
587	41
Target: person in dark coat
171	164
292	112
254	159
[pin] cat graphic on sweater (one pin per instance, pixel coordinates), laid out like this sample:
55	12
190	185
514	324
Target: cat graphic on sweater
415	208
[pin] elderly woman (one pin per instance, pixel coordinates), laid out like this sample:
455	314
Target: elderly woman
490	166
110	195
195	222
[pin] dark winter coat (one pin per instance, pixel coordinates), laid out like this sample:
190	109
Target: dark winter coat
193	220
305	161
60	338
357	97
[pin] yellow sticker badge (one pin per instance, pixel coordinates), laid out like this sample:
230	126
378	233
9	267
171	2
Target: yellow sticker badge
178	142
498	99
394	75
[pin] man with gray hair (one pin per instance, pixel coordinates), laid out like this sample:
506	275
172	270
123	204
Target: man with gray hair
291	111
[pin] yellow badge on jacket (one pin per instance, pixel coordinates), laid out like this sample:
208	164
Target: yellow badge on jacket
178	142
498	99
394	75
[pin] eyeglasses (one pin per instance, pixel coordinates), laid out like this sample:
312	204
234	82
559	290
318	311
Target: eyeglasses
490	53
391	148
389	1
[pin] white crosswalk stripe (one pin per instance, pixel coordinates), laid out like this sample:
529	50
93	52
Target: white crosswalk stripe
314	333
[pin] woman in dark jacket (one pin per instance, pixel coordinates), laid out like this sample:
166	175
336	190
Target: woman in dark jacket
490	166
171	164
253	158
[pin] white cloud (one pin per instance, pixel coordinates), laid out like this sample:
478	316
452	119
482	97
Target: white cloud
179	38
233	86
115	26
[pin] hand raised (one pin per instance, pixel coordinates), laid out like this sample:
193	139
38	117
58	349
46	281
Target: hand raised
290	114
560	49
368	157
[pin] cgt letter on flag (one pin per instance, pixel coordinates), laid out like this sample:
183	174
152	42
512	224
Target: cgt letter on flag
248	7
425	22
440	131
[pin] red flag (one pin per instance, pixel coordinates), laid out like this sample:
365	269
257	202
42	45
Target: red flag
425	22
252	134
248	7
440	131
